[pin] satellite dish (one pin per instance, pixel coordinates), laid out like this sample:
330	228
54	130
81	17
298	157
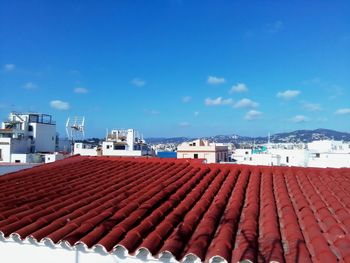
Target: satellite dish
75	128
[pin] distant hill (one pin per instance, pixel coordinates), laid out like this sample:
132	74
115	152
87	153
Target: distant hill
286	137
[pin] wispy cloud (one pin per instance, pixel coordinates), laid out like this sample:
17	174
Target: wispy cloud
239	88
59	105
288	94
186	99
151	111
138	82
74	72
343	111
336	91
252	115
215	80
196	113
300	119
81	90
274	27
184	124
9	67
218	101
312	106
332	89
30	86
246	103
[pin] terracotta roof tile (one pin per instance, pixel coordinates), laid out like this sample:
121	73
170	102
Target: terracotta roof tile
182	207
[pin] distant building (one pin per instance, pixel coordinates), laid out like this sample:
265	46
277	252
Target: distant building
86	149
24	135
203	149
322	154
125	143
117	143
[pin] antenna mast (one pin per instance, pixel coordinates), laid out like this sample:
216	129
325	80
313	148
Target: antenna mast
75	129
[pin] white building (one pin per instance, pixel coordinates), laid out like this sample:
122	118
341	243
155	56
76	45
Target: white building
25	134
325	153
203	149
328	153
86	149
117	143
125	143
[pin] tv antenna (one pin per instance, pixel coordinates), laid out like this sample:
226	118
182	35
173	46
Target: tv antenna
75	128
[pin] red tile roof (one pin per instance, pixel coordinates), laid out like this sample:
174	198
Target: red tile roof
188	209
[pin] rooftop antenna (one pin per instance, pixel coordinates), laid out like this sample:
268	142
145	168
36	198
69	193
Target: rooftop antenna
75	128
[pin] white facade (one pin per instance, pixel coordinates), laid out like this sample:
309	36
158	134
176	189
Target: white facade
53	157
203	149
26	133
25	158
85	149
245	156
28	250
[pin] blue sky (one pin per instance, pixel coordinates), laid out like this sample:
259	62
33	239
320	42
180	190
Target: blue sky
179	68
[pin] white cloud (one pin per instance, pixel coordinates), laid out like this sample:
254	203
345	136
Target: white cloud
59	105
81	90
9	67
186	99
138	82
30	86
343	111
274	27
196	113
184	124
239	88
246	103
300	119
252	115
215	80
217	101
288	94
312	107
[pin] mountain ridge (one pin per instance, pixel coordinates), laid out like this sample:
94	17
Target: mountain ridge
296	136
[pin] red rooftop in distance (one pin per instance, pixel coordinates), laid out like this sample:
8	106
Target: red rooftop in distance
149	209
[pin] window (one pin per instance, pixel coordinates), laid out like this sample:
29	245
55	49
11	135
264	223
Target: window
30	128
108	146
287	159
195	156
194	144
119	147
317	155
17	161
0	155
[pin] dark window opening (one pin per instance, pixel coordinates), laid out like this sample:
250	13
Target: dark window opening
17	161
30	128
119	147
195	156
287	159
